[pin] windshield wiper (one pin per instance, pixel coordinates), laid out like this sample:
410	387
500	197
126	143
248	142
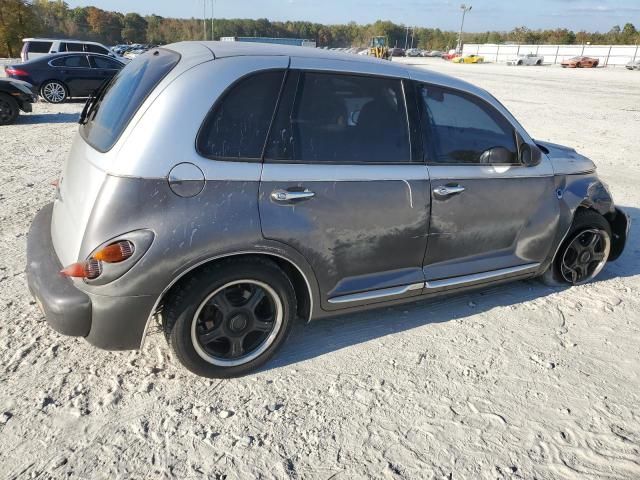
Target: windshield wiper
89	107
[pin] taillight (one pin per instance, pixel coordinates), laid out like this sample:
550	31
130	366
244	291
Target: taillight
92	268
88	269
16	72
114	253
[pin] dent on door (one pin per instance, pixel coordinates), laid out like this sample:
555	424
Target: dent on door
489	223
359	234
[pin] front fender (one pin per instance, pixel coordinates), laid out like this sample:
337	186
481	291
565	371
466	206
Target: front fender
620	224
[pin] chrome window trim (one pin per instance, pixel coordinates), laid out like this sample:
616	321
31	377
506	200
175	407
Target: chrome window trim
69	54
376	294
319	172
480	171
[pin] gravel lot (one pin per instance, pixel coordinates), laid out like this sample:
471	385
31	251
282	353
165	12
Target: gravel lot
522	381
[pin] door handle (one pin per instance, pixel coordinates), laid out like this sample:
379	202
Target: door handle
446	190
286	196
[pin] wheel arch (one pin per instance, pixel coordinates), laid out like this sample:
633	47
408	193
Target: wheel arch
302	284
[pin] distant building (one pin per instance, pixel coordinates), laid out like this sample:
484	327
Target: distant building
298	42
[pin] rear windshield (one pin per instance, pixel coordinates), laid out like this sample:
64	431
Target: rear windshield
39	47
108	114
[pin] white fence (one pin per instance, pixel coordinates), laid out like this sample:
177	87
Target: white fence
608	54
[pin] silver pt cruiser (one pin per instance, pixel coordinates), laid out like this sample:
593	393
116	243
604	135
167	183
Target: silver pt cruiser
226	189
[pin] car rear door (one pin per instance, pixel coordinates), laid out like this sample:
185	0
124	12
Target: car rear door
490	214
344	185
102	69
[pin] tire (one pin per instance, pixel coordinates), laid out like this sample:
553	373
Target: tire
578	65
595	65
212	326
584	222
54	91
520	63
539	63
9	109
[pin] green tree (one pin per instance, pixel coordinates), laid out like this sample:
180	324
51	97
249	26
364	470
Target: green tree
134	28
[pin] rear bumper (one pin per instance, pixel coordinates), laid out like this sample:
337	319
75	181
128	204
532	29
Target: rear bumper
108	322
67	309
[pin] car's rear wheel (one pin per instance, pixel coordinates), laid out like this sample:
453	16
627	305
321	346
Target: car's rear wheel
539	62
54	91
584	251
229	318
578	65
9	109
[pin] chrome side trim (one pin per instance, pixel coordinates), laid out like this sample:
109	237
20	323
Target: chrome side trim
480	171
479	277
314	172
375	294
218	257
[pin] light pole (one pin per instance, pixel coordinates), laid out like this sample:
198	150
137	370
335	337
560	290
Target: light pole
212	1
464	9
204	20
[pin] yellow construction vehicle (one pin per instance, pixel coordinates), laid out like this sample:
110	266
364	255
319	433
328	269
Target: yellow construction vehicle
379	48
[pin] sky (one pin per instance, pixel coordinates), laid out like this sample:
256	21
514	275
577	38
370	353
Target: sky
590	15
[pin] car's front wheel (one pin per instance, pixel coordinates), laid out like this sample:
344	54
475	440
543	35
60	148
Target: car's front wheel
227	319
54	91
8	109
584	251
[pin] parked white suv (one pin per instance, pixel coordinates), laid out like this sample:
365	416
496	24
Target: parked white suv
38	47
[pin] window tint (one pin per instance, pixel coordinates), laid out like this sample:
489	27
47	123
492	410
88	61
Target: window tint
238	126
460	129
75	61
95	49
101	62
114	107
73	47
342	118
39	47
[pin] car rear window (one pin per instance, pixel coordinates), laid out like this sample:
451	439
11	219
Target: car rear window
110	112
39	47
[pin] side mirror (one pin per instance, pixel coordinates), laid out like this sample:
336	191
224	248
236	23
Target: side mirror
530	155
497	155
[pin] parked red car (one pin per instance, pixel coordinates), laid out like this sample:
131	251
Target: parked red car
580	62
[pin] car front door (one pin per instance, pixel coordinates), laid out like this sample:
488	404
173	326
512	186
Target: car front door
343	184
491	215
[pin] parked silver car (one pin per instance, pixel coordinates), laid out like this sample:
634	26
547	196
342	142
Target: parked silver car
226	189
528	59
633	65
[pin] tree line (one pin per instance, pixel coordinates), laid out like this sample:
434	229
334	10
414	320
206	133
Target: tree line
54	18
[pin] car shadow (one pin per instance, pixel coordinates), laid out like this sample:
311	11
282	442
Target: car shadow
324	336
37	118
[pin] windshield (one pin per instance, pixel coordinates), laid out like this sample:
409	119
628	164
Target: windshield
110	110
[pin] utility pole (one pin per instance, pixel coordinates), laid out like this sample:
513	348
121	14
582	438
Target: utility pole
204	19
406	37
413	32
212	1
464	9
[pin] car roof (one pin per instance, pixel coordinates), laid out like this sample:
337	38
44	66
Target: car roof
73	40
219	49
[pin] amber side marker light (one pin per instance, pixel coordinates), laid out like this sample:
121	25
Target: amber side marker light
92	268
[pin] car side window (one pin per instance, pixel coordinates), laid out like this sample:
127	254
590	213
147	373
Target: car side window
340	118
101	62
74	47
461	129
39	47
95	49
75	61
237	127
